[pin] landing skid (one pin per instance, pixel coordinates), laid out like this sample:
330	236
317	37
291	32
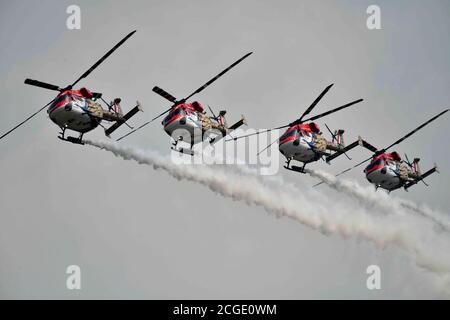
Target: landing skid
296	169
184	150
72	139
78	140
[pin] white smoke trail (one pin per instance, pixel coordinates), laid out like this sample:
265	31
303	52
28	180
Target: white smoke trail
415	236
387	203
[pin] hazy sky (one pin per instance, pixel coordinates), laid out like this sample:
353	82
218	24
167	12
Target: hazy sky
137	233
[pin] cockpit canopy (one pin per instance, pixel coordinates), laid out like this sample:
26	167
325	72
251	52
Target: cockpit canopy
68	96
300	130
377	163
173	115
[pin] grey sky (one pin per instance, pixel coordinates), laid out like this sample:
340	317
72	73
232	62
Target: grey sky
137	233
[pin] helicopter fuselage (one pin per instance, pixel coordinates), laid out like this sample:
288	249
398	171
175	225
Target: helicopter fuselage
297	143
384	171
70	111
184	123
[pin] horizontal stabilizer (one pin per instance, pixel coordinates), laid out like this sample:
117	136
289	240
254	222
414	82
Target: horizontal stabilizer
367	145
127	116
239	123
421	177
342	151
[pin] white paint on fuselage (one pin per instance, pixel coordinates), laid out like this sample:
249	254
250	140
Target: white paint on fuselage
185	127
73	116
385	177
300	150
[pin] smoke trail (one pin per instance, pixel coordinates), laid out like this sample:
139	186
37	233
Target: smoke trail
388	203
415	236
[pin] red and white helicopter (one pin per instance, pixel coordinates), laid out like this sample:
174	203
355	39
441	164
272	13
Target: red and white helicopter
388	171
78	110
188	122
303	140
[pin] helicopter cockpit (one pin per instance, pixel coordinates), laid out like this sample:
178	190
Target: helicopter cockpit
376	163
173	115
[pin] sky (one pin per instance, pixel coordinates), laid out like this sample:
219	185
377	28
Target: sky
138	233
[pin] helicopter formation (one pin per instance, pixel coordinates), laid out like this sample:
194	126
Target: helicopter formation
80	110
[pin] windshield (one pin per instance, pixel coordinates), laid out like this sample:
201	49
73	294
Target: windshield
374	164
173	114
292	133
61	100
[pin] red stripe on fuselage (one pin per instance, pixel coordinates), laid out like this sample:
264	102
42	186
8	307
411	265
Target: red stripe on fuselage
174	118
60	104
287	139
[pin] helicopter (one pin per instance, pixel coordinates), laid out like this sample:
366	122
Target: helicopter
188	121
303	141
79	110
388	171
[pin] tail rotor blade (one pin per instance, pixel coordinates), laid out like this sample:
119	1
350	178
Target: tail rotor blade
23	122
212	112
333	136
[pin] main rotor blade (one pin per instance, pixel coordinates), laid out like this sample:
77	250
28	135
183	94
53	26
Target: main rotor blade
331	111
199	89
307	111
132	131
161	114
267	147
356	165
164	94
148	122
415	130
255	133
17	126
216	77
84	75
396	142
346	170
41	84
